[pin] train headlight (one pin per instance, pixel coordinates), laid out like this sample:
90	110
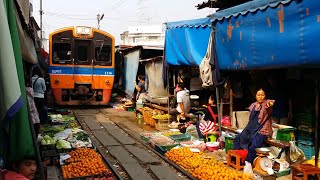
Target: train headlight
79	30
107	82
82	30
56	81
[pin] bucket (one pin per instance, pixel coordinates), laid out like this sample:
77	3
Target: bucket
212	137
212	146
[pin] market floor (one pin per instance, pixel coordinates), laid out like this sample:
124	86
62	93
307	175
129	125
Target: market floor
114	133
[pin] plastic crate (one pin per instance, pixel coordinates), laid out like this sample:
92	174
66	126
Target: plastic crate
307	147
285	134
228	143
306	128
282	173
48	147
49	153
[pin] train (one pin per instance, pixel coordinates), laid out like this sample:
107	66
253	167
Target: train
81	65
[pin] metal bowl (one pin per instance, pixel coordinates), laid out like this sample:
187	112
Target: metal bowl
263	150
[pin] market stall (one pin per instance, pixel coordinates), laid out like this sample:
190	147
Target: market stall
64	144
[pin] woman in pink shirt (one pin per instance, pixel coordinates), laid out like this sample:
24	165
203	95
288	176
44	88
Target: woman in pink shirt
21	170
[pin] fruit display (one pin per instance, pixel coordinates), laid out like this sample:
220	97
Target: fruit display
161	116
83	162
203	168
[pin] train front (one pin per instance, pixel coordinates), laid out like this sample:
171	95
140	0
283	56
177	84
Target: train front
81	66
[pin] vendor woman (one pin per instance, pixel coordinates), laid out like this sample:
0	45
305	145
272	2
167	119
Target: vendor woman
258	128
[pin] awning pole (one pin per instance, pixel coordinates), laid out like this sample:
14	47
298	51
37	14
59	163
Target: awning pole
316	123
219	109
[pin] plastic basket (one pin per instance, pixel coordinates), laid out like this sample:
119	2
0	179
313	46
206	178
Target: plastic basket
49	153
162	125
282	173
180	137
306	128
285	134
165	143
48	147
307	148
228	143
147	136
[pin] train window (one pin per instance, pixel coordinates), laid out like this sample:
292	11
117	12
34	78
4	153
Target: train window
83	50
103	55
61	53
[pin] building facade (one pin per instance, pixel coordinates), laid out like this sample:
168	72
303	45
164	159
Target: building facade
152	35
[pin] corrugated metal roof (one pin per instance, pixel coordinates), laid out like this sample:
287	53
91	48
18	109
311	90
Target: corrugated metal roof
246	8
203	22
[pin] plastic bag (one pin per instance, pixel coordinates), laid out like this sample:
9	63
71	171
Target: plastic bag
296	153
192	130
247	169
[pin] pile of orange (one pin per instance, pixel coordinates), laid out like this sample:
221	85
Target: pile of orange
203	168
83	162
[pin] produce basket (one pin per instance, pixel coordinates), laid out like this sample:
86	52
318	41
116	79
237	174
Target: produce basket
147	136
165	143
162	125
106	175
147	118
180	137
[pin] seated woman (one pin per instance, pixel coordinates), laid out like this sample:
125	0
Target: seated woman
258	128
20	170
210	114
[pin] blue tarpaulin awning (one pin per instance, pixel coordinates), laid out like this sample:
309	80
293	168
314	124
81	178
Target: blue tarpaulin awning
268	34
186	41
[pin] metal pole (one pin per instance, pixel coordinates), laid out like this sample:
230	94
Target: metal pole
316	124
98	18
41	12
219	108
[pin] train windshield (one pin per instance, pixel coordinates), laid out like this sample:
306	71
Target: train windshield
83	51
103	50
61	53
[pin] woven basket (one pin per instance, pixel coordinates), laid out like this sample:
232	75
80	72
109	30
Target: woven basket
242	119
162	125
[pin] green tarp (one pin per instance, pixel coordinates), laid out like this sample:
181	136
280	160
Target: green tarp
16	138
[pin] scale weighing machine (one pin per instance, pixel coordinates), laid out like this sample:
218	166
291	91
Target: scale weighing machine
262	164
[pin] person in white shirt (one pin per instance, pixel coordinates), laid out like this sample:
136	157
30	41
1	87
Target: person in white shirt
183	101
39	88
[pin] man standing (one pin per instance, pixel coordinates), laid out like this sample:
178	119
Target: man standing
183	100
140	87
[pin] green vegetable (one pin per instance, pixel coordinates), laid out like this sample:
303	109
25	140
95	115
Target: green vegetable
62	144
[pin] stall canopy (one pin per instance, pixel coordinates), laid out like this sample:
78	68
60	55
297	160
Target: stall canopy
268	34
186	41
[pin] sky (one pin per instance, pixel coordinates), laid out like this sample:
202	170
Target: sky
118	14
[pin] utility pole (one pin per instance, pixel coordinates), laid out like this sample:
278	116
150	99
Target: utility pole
99	18
41	12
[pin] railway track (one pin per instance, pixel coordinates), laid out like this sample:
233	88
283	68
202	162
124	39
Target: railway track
127	156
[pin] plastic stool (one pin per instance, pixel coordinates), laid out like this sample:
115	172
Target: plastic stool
305	170
237	164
